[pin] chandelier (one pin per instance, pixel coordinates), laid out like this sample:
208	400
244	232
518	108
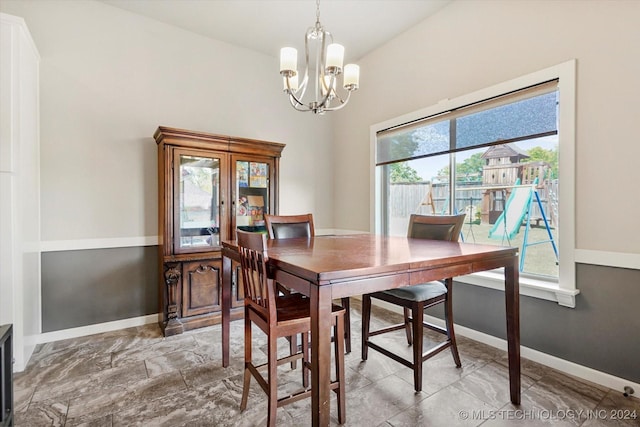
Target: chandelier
328	66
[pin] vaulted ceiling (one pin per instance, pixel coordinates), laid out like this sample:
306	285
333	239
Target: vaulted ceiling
265	26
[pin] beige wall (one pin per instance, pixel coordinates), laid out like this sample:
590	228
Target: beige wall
471	45
109	78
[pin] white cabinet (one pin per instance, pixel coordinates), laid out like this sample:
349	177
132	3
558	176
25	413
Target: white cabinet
19	187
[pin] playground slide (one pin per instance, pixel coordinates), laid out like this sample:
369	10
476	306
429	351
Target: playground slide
508	223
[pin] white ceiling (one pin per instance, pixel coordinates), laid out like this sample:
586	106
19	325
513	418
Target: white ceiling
267	25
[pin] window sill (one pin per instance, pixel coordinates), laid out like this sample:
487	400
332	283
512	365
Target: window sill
530	287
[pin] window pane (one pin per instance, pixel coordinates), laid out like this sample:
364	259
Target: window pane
503	156
497	186
413	142
533	116
515	116
418	186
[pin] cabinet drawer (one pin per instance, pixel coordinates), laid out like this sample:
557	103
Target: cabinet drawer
201	285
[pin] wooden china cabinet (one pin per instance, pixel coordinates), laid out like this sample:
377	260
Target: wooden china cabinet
208	185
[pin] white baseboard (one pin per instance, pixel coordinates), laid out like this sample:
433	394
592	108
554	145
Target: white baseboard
19	363
571	368
84	331
98	328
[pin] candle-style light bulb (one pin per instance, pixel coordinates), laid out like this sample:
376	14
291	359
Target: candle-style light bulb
351	76
288	60
335	57
293	83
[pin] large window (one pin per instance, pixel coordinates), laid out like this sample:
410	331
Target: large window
494	155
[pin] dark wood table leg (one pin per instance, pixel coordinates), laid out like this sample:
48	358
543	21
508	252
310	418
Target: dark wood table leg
226	309
512	298
320	354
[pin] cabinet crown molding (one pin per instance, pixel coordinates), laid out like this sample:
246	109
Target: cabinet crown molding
195	139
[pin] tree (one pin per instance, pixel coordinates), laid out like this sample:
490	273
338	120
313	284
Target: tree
397	147
539	154
470	168
403	173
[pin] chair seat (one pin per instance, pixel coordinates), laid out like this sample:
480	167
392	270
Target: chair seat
421	292
296	306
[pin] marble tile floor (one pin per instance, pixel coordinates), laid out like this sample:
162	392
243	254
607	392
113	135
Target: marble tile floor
136	377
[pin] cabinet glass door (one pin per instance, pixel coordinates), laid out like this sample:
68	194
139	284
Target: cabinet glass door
252	194
197	222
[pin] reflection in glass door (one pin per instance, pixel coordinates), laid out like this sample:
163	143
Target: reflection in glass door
199	203
252	190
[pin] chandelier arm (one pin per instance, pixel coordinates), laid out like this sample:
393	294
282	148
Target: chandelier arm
328	90
290	91
295	101
298	105
341	99
342	103
302	87
319	64
321	105
303	109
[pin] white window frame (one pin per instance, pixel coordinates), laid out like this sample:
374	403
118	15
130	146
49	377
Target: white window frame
564	290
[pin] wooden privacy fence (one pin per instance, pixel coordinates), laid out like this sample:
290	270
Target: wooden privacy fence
408	198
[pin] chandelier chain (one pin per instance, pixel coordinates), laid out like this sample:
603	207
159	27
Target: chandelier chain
318	24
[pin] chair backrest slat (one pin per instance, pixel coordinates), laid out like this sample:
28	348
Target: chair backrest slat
289	226
259	290
436	227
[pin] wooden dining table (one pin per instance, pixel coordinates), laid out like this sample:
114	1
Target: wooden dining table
331	267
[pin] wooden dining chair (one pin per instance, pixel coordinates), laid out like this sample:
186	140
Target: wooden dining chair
414	299
280	316
296	226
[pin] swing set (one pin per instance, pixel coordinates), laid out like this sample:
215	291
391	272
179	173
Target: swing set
519	208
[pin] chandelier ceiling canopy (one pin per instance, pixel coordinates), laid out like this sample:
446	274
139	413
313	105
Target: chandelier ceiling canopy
327	66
